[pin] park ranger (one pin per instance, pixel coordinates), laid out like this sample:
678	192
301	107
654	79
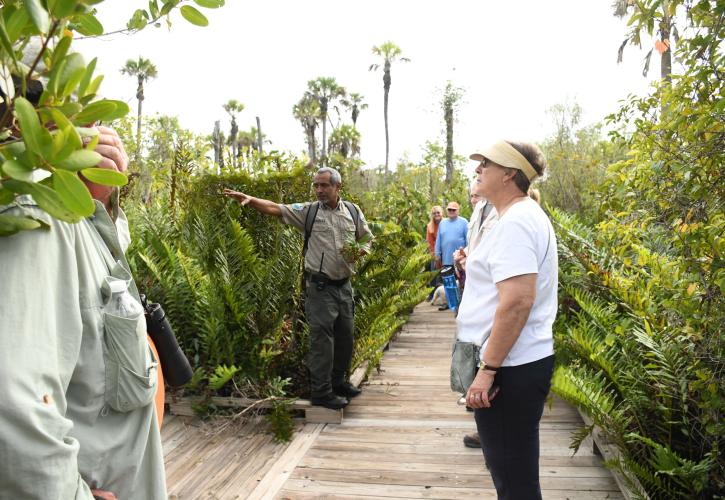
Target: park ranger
330	226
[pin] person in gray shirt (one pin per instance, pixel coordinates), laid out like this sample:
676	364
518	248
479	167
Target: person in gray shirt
330	226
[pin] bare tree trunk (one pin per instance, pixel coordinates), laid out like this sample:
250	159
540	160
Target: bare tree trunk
259	136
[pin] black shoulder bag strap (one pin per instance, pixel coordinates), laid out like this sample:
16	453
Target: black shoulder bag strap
354	212
309	222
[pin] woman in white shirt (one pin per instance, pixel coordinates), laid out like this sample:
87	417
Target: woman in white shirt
508	309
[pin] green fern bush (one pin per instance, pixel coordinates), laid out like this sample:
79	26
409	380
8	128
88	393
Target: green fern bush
640	331
635	357
388	285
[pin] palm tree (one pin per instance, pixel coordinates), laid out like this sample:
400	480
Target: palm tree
354	102
390	53
325	90
232	107
144	70
248	141
345	140
307	112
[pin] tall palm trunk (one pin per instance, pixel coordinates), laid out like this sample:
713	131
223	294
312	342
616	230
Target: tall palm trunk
139	98
235	146
448	116
218	143
259	136
323	109
386	88
145	177
311	145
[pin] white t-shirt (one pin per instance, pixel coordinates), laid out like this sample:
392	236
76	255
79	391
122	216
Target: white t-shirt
522	242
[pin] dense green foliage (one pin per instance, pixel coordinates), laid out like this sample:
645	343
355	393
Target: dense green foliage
640	332
229	279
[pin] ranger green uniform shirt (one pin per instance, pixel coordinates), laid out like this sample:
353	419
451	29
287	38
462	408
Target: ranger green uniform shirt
333	227
62	372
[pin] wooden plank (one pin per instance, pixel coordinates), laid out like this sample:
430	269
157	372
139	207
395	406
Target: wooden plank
358	375
556	450
276	476
439	437
296	489
610	452
320	415
203	464
482	480
473	467
464	425
470	456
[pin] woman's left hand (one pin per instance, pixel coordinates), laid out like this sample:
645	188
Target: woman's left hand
477	396
113	157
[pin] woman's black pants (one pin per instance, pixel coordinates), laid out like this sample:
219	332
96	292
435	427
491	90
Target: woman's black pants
509	429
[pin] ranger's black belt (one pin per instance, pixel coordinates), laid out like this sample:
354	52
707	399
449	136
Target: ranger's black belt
321	279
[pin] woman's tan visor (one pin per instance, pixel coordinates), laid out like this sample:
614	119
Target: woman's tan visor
504	154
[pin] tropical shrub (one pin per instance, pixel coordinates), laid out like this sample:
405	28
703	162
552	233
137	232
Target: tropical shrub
640	332
577	159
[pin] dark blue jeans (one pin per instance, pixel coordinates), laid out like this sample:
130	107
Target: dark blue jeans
509	429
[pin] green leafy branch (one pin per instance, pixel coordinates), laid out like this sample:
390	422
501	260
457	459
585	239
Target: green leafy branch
49	98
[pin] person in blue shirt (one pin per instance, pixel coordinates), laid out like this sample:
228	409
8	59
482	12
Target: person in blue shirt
452	235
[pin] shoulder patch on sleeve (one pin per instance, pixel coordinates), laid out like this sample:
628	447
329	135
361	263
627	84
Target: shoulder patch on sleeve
297	207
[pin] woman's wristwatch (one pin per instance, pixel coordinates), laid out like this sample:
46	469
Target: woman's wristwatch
487	367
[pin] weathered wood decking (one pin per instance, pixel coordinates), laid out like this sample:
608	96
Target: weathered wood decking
400	439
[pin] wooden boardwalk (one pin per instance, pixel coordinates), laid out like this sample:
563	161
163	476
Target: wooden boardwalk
400	439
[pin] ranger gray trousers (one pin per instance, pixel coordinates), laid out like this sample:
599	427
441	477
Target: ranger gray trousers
330	314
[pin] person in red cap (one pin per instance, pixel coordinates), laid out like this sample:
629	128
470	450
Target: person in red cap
452	235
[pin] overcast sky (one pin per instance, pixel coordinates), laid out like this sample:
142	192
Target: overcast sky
515	59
